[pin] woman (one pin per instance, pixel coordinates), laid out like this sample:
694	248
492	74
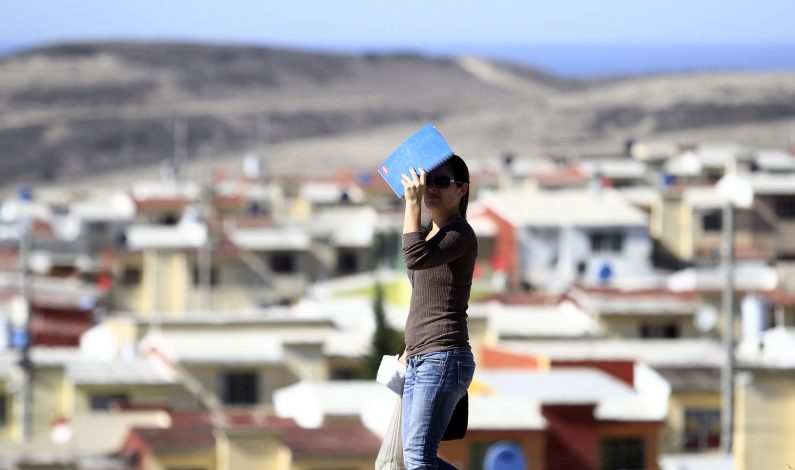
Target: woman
440	259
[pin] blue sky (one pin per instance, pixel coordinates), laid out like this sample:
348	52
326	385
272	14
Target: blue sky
429	24
570	38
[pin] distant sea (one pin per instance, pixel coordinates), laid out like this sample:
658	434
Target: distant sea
592	61
598	61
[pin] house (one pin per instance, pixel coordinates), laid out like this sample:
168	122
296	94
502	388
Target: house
765	400
74	388
690	220
248	440
60	310
690	367
539	410
607	424
154	271
552	239
774	205
162	202
639	313
761	298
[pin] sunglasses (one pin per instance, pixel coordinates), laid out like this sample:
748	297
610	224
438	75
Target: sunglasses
441	181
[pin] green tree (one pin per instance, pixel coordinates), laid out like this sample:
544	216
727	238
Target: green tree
385	340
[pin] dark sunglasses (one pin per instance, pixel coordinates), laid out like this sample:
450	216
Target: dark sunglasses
442	181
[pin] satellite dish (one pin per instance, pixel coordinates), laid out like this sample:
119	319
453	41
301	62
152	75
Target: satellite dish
706	318
504	456
98	343
61	431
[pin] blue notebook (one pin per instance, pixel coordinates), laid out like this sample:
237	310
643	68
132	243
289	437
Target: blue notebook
426	148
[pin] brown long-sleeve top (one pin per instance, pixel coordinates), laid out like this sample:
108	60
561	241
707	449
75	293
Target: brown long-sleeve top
440	270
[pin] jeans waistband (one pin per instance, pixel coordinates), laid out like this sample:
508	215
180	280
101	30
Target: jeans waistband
465	351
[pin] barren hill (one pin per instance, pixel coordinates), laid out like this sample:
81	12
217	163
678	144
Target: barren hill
76	110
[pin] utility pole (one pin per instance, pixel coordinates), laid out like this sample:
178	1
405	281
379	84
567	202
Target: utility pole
736	192
727	373
25	362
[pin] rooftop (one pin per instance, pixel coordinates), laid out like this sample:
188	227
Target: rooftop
564	208
655	353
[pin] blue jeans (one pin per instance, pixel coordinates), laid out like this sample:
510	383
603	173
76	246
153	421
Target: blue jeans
434	384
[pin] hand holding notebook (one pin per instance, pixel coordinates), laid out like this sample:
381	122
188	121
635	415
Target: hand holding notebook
425	149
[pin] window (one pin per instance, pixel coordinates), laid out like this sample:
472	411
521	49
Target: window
623	454
702	429
108	401
240	388
96	228
131	276
785	207
663	331
283	263
3	410
712	221
346	262
607	242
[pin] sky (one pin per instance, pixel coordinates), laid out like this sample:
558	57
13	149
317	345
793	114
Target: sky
408	25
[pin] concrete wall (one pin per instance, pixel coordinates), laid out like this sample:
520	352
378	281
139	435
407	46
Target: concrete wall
238	449
765	420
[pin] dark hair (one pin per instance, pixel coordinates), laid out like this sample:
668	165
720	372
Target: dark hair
460	172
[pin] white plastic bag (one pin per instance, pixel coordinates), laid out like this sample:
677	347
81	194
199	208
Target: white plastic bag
390	456
392	373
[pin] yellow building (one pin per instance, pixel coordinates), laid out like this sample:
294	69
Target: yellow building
689	223
765	401
251	441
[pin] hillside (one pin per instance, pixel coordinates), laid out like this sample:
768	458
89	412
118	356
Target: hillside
76	110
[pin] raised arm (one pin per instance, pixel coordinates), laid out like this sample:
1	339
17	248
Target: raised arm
450	243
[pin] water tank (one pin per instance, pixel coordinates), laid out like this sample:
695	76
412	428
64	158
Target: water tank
504	456
754	312
605	273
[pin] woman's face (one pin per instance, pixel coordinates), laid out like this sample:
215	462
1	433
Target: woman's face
438	197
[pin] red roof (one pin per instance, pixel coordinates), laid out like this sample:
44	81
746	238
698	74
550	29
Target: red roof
176	438
194	431
341	439
493	358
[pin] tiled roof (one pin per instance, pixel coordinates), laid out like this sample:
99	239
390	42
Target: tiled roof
340	439
177	438
194	431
